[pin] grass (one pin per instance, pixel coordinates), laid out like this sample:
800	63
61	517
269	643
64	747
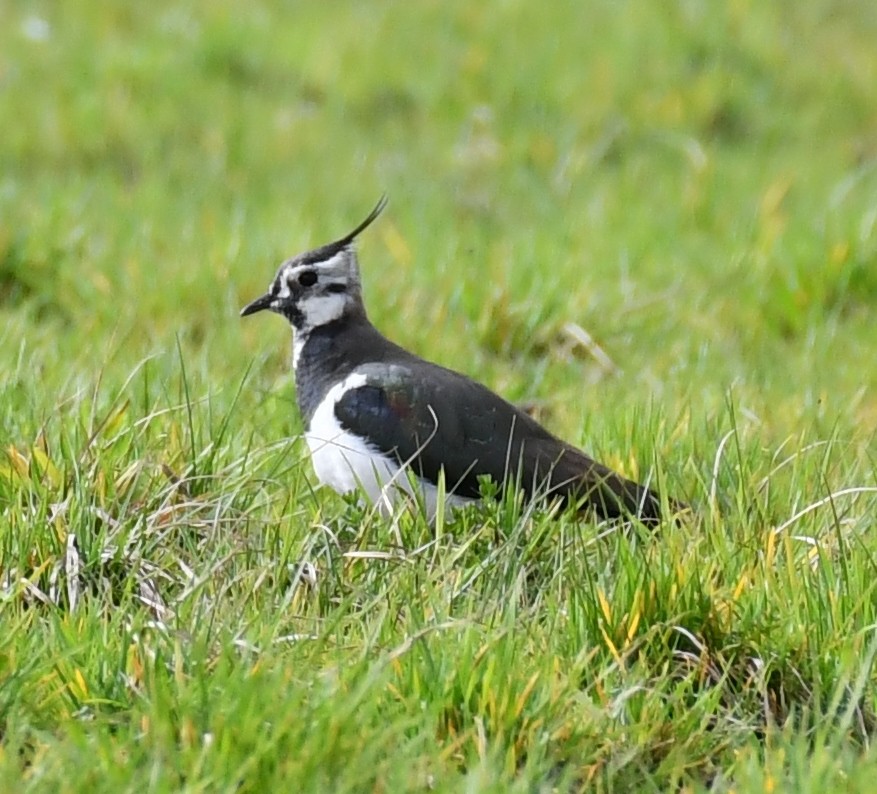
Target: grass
693	186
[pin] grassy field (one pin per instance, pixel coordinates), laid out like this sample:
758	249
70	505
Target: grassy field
692	184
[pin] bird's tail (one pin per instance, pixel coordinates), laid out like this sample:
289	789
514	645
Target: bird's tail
580	480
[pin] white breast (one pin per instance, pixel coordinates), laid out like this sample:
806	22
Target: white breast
345	462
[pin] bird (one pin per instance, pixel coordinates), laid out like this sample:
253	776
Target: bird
402	429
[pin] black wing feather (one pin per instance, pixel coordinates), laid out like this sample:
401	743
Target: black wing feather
445	421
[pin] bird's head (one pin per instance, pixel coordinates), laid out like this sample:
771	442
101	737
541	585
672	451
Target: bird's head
319	286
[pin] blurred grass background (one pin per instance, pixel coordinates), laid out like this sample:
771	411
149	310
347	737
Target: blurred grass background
692	183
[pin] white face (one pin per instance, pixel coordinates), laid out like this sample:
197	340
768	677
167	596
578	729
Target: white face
311	294
317	287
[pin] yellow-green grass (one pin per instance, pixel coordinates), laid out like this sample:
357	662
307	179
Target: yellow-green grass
693	185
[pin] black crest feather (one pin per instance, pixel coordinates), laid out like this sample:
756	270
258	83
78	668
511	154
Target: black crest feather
329	250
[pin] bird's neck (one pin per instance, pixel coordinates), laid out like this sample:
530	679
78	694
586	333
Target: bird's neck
327	353
327	312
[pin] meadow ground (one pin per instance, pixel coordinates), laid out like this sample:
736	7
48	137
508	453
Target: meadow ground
692	184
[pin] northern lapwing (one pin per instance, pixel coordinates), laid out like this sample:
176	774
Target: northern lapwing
384	420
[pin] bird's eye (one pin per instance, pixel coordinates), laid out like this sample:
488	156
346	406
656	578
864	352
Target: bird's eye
308	278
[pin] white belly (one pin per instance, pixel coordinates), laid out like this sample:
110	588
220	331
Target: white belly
345	462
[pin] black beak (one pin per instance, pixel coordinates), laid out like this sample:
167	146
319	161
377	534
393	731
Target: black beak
258	305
